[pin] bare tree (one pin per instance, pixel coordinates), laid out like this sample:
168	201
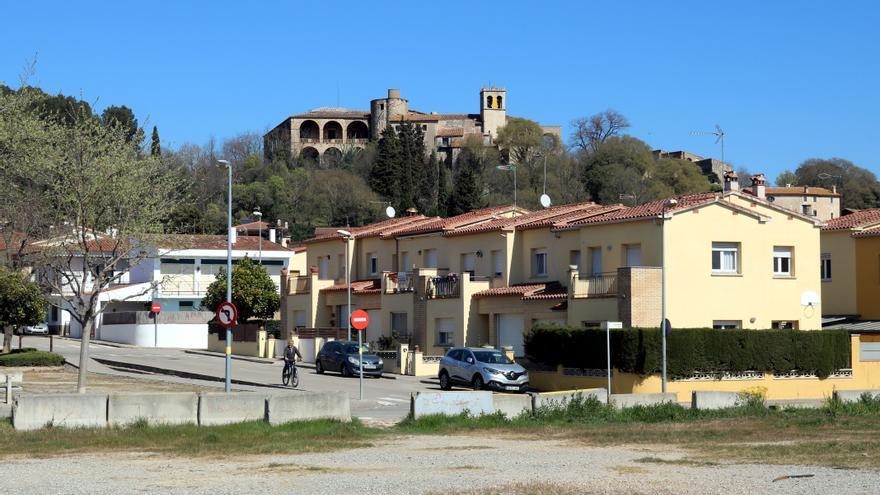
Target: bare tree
592	131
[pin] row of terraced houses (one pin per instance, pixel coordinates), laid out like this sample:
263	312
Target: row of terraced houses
733	259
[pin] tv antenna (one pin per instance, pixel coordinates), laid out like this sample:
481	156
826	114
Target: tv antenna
719	137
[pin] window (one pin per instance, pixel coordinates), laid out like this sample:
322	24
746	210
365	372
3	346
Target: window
489	101
539	262
784	324
497	263
398	324
404	262
187	306
725	257
469	263
430	258
782	261
595	260
324	268
632	254
805	209
445	330
724	324
574	259
373	263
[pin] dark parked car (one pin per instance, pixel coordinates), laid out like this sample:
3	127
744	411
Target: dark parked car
342	356
479	368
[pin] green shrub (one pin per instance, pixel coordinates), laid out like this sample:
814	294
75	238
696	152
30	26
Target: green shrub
273	328
26	358
638	350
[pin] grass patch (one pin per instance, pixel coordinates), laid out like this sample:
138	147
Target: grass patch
253	438
30	357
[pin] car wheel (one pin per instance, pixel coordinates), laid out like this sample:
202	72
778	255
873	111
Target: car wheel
319	368
345	371
477	382
444	381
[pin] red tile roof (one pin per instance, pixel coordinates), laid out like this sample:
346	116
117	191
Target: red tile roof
357	287
794	191
859	219
871	232
459	221
647	210
242	242
457	131
254	226
385	228
532	219
527	292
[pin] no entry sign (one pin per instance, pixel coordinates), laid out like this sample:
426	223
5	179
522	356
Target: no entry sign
156	307
227	313
360	319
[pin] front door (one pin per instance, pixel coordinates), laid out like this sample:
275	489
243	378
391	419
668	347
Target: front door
510	332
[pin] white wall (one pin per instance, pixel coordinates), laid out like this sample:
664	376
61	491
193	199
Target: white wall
178	335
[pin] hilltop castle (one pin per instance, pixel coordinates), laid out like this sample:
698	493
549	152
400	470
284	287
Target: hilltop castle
323	134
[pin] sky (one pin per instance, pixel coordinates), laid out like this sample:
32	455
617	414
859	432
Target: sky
785	80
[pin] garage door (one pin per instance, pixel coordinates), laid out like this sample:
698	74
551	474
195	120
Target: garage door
510	332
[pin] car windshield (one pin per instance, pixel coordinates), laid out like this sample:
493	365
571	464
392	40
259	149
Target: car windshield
353	349
492	357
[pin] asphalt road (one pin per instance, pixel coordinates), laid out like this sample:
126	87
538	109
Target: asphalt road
385	399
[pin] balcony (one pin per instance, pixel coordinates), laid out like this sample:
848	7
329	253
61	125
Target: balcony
299	285
444	287
309	140
177	287
595	285
397	282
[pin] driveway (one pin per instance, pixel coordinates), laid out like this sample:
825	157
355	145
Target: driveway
385	399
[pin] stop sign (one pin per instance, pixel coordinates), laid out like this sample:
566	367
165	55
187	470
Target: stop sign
156	307
360	319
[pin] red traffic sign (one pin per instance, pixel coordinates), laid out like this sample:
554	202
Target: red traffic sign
156	307
360	319
227	313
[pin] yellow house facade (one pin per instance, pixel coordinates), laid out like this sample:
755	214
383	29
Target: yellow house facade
850	265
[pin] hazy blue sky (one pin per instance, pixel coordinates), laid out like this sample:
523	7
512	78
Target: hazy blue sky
786	80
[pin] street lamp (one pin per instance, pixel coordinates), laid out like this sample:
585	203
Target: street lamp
259	215
225	163
510	167
666	204
349	238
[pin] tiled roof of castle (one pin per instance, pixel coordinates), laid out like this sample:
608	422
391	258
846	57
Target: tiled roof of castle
527	292
459	221
457	131
333	113
434	117
858	219
357	287
385	228
794	191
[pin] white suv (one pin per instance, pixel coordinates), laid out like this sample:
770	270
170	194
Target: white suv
480	367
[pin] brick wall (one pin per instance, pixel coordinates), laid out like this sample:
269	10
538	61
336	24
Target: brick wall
639	296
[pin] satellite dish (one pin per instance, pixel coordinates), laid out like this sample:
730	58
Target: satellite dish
545	201
390	212
809	298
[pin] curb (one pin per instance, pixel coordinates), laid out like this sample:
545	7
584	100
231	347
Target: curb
250	359
184	374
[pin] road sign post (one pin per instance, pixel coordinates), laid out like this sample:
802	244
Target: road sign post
360	319
155	308
226	314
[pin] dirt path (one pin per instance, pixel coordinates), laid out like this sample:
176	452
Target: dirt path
420	464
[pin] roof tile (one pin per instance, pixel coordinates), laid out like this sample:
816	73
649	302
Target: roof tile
858	219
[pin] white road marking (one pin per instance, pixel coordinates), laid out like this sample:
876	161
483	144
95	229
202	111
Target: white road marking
384	403
394	399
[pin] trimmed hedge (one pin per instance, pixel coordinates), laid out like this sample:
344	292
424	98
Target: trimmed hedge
638	350
31	357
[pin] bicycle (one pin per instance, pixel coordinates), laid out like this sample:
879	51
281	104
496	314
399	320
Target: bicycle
289	375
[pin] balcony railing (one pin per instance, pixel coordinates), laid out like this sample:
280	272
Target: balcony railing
174	287
396	282
444	287
595	285
309	140
299	285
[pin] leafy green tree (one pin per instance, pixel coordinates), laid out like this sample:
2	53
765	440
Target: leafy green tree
155	145
520	138
21	303
673	177
467	182
253	292
857	186
123	117
786	177
384	173
65	110
620	169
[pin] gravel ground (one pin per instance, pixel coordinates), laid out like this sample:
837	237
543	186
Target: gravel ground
419	464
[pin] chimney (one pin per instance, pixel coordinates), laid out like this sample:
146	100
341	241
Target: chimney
285	241
759	185
731	181
410	212
834	188
271	235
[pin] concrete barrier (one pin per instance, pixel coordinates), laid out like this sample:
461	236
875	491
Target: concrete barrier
561	398
621	401
156	409
32	412
855	395
474	403
714	400
220	408
301	407
512	405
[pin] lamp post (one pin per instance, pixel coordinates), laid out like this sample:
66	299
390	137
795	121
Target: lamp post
350	238
259	215
510	167
225	163
666	204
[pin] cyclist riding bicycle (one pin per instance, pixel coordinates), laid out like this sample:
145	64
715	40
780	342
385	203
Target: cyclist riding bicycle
291	356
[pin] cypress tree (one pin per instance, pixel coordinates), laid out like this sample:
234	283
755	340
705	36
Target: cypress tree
442	188
155	146
384	174
428	187
467	185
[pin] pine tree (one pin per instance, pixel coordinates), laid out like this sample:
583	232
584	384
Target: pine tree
467	186
384	174
428	187
442	188
155	146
